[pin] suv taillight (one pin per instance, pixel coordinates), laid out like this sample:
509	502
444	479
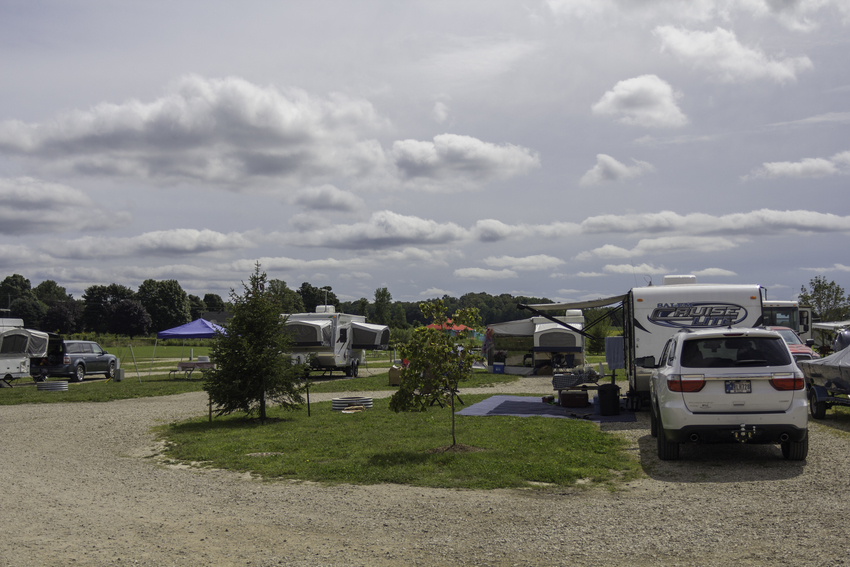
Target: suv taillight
787	382
685	382
66	359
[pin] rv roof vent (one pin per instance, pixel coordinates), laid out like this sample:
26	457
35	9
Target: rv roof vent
325	309
677	280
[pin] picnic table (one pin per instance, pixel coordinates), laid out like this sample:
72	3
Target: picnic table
189	366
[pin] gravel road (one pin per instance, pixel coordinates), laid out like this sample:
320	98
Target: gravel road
81	485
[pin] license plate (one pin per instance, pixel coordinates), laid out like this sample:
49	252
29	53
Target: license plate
738	387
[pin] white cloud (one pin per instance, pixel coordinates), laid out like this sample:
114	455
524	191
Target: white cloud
805	168
435	292
609	169
328	198
759	222
720	53
384	229
833	268
662	245
484	274
537	262
796	15
491	230
640	269
461	159
714	272
826	118
473	59
214	130
176	242
646	101
29	205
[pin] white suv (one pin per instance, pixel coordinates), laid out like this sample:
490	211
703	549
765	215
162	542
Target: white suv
728	385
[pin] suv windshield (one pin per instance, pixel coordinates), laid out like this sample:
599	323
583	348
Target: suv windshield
726	352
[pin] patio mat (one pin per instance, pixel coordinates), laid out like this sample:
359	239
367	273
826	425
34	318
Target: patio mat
523	406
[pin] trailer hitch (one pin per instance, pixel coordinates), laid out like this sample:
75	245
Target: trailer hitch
743	435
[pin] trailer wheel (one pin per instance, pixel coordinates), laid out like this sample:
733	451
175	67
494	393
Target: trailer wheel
816	408
351	371
795	450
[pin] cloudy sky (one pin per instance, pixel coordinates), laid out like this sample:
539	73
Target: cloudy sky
570	149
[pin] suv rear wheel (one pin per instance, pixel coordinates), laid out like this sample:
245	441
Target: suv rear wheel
796	450
667	450
79	373
110	370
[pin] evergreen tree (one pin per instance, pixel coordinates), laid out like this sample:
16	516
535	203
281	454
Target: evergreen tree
253	367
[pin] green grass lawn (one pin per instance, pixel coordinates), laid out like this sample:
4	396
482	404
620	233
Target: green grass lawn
380	446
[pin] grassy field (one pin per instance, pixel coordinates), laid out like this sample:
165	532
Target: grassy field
380	446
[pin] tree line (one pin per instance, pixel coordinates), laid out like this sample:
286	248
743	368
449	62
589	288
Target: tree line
162	304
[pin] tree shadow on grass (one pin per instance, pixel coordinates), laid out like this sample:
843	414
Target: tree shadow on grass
229	423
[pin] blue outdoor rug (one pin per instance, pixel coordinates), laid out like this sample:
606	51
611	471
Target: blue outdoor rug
523	406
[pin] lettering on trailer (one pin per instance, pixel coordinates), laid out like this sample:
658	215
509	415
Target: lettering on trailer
697	314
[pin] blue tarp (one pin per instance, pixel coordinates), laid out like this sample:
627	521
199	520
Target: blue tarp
197	329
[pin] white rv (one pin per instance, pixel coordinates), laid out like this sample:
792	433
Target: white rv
553	344
652	314
17	347
329	341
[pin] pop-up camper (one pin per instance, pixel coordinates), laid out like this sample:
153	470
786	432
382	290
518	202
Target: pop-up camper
17	346
329	341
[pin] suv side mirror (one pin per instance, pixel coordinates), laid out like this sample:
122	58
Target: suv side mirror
645	362
810	343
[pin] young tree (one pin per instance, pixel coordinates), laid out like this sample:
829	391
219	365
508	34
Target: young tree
438	361
826	298
253	366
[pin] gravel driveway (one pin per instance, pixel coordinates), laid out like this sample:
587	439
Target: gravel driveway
81	486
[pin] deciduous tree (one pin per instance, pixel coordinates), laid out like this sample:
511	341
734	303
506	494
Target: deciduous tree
826	298
439	361
129	317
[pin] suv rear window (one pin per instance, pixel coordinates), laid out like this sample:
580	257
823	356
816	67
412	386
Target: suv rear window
727	352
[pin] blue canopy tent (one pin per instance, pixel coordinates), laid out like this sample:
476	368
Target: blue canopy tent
197	329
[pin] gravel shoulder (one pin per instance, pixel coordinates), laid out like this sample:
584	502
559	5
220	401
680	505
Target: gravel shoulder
81	484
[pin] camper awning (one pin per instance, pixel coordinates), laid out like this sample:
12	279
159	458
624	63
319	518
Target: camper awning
368	336
602	302
831	325
310	333
23	342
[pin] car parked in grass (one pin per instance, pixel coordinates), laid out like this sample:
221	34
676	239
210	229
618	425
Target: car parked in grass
728	385
73	359
799	350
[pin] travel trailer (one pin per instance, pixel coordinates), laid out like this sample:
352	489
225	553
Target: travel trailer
329	341
653	314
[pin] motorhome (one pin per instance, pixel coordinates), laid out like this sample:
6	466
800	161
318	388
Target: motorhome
789	314
653	314
327	341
